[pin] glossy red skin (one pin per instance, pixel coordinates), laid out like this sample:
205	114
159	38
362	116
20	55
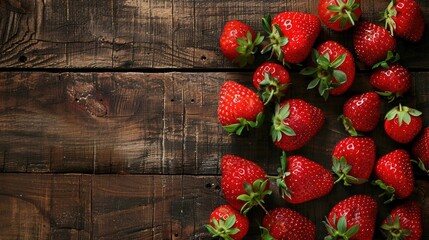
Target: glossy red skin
410	217
326	14
372	43
235	172
420	147
334	49
287	224
409	20
241	221
395	79
231	31
395	170
276	70
308	180
364	111
360	153
302	30
237	101
305	119
403	133
358	209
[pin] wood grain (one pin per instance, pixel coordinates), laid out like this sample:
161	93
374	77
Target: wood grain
131	34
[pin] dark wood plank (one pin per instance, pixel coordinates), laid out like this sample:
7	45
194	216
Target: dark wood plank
148	34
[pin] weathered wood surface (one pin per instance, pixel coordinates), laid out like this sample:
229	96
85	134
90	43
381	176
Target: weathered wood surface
147	34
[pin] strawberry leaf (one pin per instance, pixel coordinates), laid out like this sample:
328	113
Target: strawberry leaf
340	76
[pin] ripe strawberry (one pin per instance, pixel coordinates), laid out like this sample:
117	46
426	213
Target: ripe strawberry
420	150
402	123
295	123
335	69
395	175
238	42
292	35
302	180
284	223
339	15
404	18
404	222
239	108
393	81
228	223
361	113
353	159
244	183
271	80
353	217
372	43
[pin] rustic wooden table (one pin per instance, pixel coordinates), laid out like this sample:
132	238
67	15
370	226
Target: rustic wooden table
108	122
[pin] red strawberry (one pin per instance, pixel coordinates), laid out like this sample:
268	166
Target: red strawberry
339	15
284	223
335	69
295	123
361	113
404	18
302	180
395	175
292	35
227	223
393	81
420	150
239	107
402	123
271	80
353	159
244	183
372	43
238	42
353	217
404	222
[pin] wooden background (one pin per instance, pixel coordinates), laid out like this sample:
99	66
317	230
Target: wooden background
108	123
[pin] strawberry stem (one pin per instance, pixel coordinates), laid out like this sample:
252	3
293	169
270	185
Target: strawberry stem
223	228
255	195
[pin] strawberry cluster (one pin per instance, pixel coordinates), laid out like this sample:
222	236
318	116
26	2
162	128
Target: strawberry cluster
294	122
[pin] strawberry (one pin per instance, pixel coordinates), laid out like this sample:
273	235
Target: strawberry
404	18
339	15
295	123
402	123
361	113
335	69
238	42
244	183
227	223
393	81
353	159
292	35
239	108
372	43
271	80
301	180
420	150
404	222
352	218
395	175
284	223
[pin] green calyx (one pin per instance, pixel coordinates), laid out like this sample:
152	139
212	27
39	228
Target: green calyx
389	191
344	12
348	126
265	234
389	95
325	72
223	228
393	231
340	230
247	48
387	15
391	57
421	165
277	40
254	195
403	113
342	169
282	175
237	128
270	87
279	128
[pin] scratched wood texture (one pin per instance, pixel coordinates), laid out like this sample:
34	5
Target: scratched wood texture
108	126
